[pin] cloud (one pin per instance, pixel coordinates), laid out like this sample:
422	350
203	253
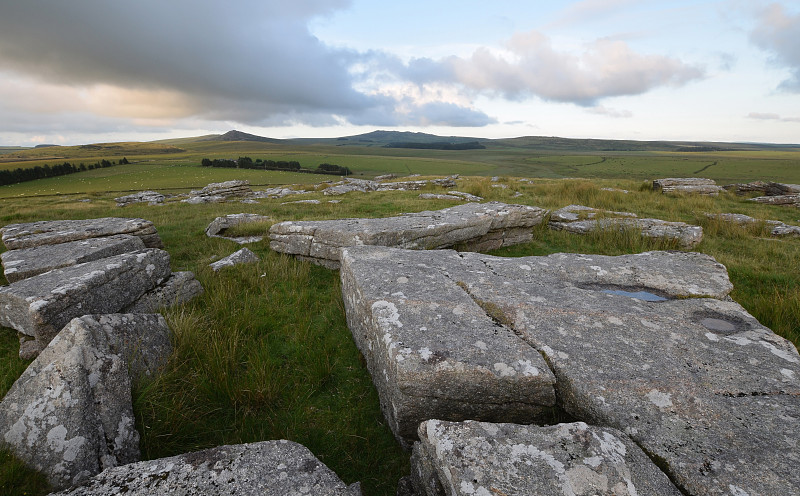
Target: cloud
610	112
590	10
531	67
763	116
778	32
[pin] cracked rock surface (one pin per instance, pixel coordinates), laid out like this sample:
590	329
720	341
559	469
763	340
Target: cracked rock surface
696	185
267	468
52	232
40	306
469	458
648	344
69	415
475	226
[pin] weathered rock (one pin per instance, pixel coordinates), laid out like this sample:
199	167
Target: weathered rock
566	459
466	196
350	185
52	232
777	228
69	415
697	185
694	379
741	188
40	306
150	197
278	192
578	219
27	262
785	230
217	192
267	468
431	349
777	189
615	190
778	200
179	287
474	226
434	196
219	225
384	177
306	202
365	186
242	256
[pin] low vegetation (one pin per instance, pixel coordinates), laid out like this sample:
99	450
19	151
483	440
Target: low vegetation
266	353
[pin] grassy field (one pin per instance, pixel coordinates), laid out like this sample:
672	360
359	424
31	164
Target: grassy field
265	353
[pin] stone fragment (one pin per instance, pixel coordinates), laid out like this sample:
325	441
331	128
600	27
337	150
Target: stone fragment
267	468
278	192
567	459
696	185
179	287
27	262
777	189
242	256
307	202
52	232
434	196
741	188
472	226
69	415
430	347
615	190
785	230
648	344
777	228
40	306
578	219
384	177
793	200
220	225
149	197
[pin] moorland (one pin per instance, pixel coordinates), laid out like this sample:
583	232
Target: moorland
265	352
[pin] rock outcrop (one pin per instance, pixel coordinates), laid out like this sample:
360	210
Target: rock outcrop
69	415
28	262
579	219
693	185
768	188
51	232
267	468
242	256
40	306
59	270
566	459
216	192
791	200
364	185
220	225
648	344
149	197
777	228
473	226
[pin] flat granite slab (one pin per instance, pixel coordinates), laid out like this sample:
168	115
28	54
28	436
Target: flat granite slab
27	262
479	458
472	226
267	468
40	306
648	344
51	232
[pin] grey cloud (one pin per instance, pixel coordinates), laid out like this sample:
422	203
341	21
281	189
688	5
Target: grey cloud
778	32
766	116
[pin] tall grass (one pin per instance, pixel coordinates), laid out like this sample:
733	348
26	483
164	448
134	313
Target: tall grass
265	352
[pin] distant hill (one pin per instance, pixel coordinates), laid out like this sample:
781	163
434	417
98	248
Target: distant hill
383	138
235	135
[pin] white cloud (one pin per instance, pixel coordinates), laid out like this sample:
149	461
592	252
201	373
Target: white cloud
778	32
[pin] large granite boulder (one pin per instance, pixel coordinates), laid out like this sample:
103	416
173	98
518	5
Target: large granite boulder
149	197
470	226
432	350
648	344
578	219
267	468
51	232
69	415
27	262
217	192
691	185
472	458
41	305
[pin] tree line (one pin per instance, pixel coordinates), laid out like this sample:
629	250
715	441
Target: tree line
279	165
20	175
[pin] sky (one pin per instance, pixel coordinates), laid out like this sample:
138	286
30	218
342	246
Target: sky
89	71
